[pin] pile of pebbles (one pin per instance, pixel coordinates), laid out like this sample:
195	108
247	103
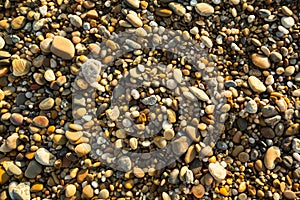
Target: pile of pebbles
47	152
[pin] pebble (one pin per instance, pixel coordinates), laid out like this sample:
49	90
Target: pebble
217	171
18	22
41	121
10	144
207	41
125	163
45	45
177	8
46	104
16	119
62	47
133	3
83	149
251	107
286	11
49	75
37	187
134	20
88	192
287	22
204	9
44	157
275	56
75	21
296	145
198	191
4	177
138	172
272	154
33	169
267	132
256	85
289	194
22	191
70	190
2	42
200	94
163	12
260	61
20	67
104	194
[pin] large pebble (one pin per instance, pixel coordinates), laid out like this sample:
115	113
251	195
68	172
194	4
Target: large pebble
18	22
260	61
40	121
33	169
251	106
20	67
200	94
287	22
82	149
125	163
178	8
134	20
207	41
22	192
133	3
44	157
256	85
62	47
45	45
272	154
217	171
204	9
46	104
75	21
70	190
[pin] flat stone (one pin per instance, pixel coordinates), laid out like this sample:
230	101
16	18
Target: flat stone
41	121
33	169
275	56
46	104
14	169
70	190
260	61
272	154
217	171
44	157
134	20
16	119
177	8
256	85
204	9
62	47
18	22
22	192
20	67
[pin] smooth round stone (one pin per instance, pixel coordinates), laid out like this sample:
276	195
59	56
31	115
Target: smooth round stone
124	163
286	11
62	47
2	42
260	61
49	75
16	119
287	22
204	9
44	157
222	146
230	83
198	191
104	194
70	190
275	56
243	157
289	194
14	169
83	149
256	85
138	172
171	84
290	70
41	121
251	107
217	171
46	104
169	134
37	187
177	74
296	145
20	67
133	142
200	94
267	132
18	22
75	21
74	136
134	20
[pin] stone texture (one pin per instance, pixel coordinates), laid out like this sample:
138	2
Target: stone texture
62	47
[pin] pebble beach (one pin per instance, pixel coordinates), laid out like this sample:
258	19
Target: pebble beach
60	60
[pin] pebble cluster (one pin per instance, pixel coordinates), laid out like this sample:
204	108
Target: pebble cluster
45	154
